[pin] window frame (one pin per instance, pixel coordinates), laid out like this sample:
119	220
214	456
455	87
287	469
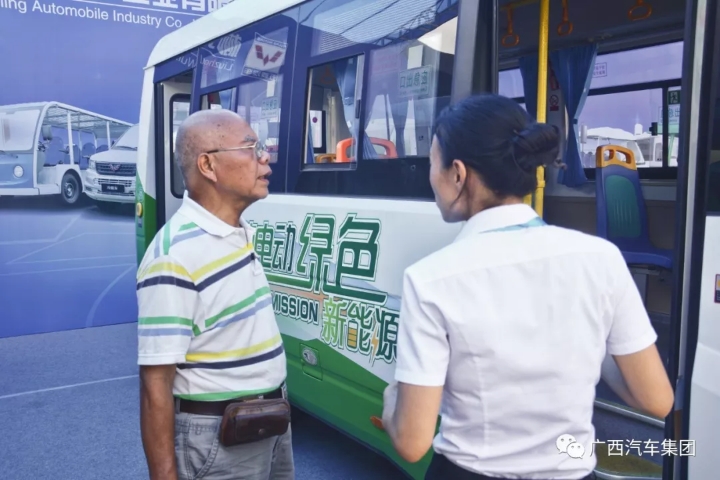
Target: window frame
217	88
353	179
348	166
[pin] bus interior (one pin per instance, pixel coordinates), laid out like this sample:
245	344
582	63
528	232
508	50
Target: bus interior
75	136
613	88
366	78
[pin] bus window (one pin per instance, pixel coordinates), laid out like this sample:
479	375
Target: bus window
408	84
17	129
624	119
638	66
673	127
259	104
258	54
180	109
333	103
222	99
510	83
380	124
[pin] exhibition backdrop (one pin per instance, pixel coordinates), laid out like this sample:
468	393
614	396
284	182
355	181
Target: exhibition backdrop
73	267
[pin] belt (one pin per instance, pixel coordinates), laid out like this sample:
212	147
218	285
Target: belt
217	409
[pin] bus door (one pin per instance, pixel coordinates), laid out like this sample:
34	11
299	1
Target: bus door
175	98
700	306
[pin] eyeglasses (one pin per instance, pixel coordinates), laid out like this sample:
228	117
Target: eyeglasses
258	146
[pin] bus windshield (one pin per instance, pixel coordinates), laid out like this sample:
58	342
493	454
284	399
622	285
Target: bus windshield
17	129
129	139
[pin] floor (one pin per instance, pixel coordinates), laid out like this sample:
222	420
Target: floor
69	410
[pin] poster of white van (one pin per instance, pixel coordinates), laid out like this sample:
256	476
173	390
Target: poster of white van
110	176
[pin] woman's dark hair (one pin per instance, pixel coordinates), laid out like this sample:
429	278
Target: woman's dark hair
495	136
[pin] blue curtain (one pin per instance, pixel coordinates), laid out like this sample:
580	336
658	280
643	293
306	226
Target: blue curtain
573	68
529	72
398	113
346	74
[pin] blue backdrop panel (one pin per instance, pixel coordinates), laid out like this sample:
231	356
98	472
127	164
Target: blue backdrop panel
65	268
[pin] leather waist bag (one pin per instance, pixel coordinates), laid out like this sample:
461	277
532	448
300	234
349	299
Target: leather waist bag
252	420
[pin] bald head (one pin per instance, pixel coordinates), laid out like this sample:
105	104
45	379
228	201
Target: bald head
203	131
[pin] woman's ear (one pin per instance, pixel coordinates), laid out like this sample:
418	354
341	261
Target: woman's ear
459	174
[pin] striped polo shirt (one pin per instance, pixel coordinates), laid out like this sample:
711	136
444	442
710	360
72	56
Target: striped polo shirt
205	304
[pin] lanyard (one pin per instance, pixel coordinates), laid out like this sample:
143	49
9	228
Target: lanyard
535	222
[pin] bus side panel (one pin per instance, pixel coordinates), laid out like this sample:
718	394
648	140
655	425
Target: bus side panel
336	275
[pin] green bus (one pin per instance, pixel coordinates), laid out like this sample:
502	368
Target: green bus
344	93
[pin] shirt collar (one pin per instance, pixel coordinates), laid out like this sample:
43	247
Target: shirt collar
211	224
497	217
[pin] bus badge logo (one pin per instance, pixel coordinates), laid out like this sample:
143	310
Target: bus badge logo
265	58
114	167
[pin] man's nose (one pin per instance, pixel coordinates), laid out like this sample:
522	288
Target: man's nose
264	157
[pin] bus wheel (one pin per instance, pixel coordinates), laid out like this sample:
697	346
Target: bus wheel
70	188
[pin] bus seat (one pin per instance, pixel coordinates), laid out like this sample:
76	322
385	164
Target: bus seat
87	150
325	158
41	159
344	145
620	207
54	153
77	157
102	148
47	133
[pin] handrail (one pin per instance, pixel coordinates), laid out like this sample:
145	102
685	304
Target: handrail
629	413
543	66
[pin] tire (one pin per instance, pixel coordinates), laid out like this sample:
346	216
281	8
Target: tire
70	188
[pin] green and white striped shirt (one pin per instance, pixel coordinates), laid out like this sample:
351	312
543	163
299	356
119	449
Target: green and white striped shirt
205	304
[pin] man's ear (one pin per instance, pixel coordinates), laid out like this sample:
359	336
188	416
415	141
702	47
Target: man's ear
206	167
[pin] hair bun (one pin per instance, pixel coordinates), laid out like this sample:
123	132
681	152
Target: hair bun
536	146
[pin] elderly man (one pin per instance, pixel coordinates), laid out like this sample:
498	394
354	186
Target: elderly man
207	333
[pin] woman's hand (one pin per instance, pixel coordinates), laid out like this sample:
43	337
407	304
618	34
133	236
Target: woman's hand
389	403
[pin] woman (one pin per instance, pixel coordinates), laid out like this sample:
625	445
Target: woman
510	325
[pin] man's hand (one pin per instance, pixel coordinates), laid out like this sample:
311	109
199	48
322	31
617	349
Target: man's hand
157	420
